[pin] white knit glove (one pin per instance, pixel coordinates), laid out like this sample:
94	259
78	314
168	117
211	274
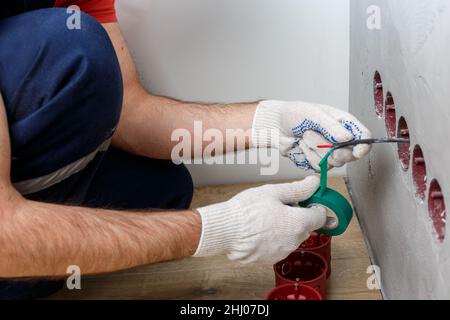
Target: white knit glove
296	128
259	225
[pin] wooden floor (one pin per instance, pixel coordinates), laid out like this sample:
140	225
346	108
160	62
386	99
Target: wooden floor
217	278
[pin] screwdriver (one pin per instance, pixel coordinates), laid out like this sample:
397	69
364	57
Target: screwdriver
341	145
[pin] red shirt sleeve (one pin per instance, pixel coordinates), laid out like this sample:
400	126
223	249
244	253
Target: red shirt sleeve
102	10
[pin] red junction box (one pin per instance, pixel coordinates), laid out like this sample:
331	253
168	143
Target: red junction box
305	268
320	244
294	292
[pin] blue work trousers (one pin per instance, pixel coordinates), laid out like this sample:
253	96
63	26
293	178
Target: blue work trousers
63	93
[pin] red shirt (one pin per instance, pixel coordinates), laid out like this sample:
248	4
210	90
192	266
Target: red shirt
102	10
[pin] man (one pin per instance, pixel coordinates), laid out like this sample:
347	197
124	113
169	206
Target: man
85	154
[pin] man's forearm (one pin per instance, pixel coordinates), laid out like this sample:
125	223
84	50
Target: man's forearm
147	124
42	240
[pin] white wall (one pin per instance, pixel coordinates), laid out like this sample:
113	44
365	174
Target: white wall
411	51
240	50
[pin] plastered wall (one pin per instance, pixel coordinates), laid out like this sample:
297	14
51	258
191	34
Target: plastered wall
411	51
238	51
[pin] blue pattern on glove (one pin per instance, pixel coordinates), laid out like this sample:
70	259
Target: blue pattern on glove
302	164
309	125
353	129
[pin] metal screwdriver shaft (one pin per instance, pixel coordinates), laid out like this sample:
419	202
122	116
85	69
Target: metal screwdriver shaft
363	141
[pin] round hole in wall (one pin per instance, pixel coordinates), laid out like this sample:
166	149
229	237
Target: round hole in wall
404	152
436	209
391	118
419	172
378	94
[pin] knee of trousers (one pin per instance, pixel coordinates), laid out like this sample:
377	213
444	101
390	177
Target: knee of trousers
64	97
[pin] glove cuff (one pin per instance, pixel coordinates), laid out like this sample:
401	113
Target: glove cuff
221	224
266	126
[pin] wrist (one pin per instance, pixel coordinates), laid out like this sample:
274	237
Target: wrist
220	228
267	123
196	223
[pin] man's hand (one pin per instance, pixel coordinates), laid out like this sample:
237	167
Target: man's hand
299	127
259	225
